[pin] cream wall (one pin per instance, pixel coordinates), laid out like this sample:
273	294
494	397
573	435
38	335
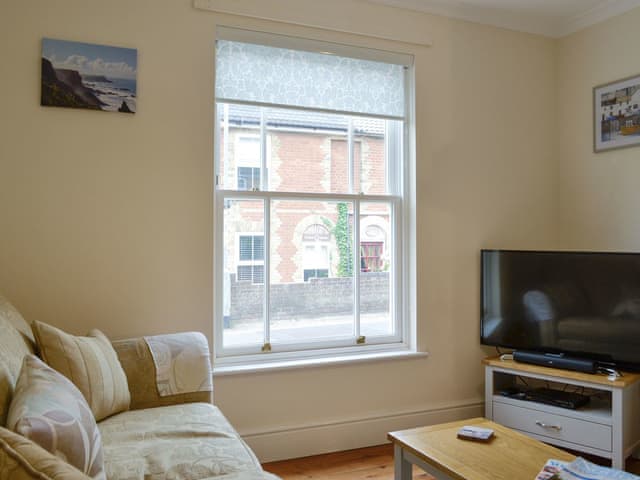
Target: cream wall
107	218
599	193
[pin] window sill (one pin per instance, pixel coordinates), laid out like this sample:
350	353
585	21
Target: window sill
291	364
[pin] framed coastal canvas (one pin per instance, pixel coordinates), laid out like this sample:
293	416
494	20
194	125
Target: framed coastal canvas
616	110
90	76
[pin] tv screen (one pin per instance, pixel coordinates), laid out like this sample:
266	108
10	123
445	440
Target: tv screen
582	304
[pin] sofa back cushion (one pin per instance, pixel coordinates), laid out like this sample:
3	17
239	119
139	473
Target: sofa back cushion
49	410
15	343
90	363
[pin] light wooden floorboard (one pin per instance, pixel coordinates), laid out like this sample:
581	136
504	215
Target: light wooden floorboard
371	463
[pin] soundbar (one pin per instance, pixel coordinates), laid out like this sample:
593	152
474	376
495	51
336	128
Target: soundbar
556	361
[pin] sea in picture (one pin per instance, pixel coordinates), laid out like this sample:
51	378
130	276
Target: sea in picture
84	75
112	91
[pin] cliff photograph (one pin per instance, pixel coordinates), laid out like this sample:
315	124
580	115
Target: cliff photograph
85	75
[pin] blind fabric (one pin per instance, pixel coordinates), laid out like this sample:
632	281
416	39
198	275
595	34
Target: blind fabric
294	78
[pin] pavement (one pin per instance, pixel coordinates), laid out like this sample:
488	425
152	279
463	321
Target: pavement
302	329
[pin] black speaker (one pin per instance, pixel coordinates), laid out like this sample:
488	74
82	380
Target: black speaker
556	361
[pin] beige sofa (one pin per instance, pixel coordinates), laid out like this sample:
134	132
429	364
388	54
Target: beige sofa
174	437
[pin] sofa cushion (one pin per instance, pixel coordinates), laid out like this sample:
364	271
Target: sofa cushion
137	362
48	409
22	459
90	363
180	442
14	345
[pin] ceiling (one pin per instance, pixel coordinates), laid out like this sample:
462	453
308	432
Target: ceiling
552	18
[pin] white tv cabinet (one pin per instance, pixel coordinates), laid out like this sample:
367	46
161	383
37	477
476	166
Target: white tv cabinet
609	426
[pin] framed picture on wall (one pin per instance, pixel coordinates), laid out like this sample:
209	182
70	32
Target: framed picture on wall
90	76
616	110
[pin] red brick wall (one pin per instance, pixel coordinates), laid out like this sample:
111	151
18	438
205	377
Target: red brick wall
315	163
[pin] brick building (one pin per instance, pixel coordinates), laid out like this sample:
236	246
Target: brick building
313	150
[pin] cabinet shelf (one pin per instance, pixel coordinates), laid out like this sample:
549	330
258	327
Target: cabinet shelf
597	411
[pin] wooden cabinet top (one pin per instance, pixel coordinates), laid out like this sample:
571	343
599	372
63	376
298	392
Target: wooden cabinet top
627	378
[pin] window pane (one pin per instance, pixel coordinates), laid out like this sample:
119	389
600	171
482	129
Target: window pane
311	291
308	151
370	155
375	269
243	282
248	178
239	146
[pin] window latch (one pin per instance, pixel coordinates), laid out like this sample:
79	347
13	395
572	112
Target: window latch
361	340
266	347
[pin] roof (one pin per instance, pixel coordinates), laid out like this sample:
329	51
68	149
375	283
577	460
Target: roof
249	115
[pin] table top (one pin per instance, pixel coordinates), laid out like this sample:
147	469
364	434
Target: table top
627	378
509	455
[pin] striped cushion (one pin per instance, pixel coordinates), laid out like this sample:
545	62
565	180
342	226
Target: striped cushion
90	363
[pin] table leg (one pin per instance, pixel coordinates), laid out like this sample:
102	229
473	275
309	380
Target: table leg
402	467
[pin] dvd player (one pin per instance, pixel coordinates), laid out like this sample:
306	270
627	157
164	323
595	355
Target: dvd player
557	398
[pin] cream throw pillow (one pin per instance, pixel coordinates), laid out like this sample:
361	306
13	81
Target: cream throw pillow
49	410
22	459
90	363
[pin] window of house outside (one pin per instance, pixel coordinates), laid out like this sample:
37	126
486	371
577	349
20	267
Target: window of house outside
250	258
310	199
316	243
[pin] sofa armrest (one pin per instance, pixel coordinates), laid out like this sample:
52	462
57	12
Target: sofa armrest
22	459
139	366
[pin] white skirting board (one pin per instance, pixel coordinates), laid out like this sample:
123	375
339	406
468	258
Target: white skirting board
315	439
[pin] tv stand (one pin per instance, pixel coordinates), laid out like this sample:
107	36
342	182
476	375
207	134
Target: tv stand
609	426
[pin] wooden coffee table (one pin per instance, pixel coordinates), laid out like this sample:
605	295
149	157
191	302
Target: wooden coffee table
437	450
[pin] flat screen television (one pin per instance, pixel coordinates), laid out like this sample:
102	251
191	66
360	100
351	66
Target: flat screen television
581	304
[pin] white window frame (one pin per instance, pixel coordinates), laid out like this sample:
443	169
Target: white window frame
401	181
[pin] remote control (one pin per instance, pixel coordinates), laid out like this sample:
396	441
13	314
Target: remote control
475	433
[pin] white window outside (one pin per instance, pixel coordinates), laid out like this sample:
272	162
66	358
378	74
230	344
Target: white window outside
316	240
311	253
250	258
247	157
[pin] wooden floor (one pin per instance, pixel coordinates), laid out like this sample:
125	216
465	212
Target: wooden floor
372	463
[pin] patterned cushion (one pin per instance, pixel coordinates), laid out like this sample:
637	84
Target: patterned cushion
181	442
22	459
48	409
182	363
90	363
138	365
14	345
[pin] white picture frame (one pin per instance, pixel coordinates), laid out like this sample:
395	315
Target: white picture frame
616	114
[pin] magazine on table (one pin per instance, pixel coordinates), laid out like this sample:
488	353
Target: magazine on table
580	469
